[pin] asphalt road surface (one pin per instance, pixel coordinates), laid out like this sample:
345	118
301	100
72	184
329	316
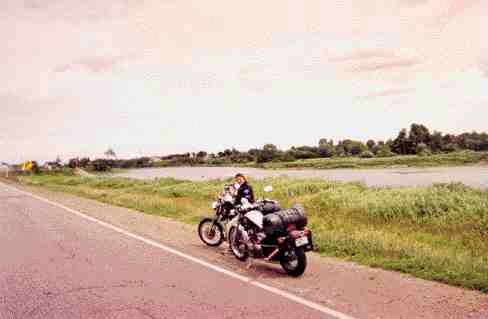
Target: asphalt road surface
56	264
63	256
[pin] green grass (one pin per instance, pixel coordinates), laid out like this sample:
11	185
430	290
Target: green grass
450	159
437	233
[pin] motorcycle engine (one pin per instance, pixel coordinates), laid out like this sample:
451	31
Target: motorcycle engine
254	242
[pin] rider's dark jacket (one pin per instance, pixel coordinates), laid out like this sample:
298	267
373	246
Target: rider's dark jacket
245	191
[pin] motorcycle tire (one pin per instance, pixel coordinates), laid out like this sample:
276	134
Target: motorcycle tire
213	236
240	253
299	263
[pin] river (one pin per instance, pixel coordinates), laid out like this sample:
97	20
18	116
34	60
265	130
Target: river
476	176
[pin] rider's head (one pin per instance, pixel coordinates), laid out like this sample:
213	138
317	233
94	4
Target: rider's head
240	179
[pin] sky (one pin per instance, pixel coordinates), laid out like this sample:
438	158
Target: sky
151	77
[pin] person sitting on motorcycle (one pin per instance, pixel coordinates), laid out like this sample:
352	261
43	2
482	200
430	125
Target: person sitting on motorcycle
245	190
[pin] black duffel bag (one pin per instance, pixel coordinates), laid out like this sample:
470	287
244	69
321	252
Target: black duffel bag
269	207
279	221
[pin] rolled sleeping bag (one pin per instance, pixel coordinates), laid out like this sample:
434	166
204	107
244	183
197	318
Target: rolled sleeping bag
279	221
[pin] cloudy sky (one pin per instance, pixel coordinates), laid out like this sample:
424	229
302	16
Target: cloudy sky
156	77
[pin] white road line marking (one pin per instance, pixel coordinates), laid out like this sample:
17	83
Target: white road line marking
245	279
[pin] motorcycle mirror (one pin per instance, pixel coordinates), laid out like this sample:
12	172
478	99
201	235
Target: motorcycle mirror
268	189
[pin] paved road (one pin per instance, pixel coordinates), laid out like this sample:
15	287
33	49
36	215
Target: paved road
476	176
55	264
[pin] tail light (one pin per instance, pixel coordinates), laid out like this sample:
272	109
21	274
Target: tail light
291	228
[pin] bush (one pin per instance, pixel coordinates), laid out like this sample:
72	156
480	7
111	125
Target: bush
423	150
100	165
384	151
366	154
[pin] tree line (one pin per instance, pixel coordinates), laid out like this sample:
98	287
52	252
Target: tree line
417	140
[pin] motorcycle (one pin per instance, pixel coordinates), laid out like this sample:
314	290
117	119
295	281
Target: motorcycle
214	231
279	237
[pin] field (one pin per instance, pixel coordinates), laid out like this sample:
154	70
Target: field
437	233
450	159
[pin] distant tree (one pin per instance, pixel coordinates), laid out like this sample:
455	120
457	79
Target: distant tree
270	148
101	165
288	156
35	167
227	152
326	150
449	143
201	154
419	134
84	162
353	147
109	153
269	153
324	141
74	163
402	144
436	142
340	150
371	144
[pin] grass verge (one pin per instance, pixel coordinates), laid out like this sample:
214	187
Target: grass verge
436	233
450	159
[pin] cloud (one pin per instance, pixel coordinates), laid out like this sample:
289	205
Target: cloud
384	65
364	54
413	3
92	64
388	92
373	60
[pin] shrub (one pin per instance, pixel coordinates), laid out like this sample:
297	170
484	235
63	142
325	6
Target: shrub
100	165
366	154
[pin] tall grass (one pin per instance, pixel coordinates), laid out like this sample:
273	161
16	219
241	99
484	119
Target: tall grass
438	232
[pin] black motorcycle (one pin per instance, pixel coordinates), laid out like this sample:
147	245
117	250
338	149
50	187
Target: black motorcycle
212	231
279	236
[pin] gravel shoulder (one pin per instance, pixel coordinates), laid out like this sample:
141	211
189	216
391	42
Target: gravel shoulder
359	291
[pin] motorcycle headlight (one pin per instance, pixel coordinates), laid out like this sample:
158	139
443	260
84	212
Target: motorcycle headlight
215	205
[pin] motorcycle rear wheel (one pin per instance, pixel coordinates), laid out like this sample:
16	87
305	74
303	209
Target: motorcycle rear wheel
294	262
239	250
211	232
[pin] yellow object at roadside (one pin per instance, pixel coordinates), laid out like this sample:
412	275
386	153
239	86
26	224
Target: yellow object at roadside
27	166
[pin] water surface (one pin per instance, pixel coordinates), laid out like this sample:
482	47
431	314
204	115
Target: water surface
476	176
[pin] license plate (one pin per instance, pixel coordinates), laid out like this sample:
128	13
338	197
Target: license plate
302	241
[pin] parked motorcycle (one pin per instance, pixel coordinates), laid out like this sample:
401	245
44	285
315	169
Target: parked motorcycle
213	231
279	236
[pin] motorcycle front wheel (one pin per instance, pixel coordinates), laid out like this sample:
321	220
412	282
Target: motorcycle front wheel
211	232
239	249
294	261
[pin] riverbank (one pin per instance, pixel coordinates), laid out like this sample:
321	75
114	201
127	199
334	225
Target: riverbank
436	160
437	233
461	158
